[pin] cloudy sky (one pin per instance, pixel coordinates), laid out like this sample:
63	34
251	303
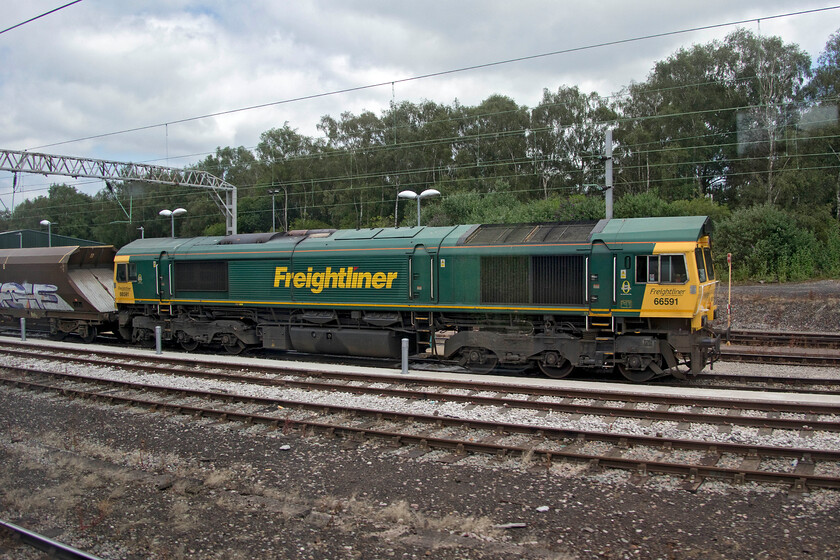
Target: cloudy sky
70	79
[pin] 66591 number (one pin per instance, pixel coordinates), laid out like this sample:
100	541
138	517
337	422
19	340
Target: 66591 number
665	301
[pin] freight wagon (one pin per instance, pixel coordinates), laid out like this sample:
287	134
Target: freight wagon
68	290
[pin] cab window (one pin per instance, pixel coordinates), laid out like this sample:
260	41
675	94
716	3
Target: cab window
126	272
647	269
701	265
661	269
710	267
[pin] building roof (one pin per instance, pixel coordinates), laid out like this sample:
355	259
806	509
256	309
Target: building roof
16	239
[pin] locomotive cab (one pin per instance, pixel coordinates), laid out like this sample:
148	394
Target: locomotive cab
678	281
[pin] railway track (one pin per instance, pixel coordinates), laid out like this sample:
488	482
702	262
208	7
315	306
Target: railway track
787	339
580	401
50	547
780	356
795	348
768	383
543	424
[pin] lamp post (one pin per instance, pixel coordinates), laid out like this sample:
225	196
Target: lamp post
273	192
171	214
49	230
425	194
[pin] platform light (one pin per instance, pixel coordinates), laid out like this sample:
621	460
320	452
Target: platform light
171	214
413	195
49	230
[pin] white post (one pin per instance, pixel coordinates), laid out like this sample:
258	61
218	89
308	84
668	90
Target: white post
405	356
158	343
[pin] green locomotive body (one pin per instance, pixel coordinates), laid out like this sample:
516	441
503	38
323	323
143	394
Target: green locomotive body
637	293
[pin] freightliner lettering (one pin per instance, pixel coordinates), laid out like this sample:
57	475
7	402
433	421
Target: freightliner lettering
343	278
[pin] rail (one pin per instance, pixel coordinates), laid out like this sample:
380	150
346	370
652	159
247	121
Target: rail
53	549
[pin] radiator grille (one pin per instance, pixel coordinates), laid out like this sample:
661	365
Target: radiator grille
504	279
201	276
559	279
538	280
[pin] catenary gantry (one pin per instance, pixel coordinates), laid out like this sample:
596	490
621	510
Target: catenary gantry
224	194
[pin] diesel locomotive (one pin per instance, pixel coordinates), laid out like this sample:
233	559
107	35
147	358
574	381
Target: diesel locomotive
635	294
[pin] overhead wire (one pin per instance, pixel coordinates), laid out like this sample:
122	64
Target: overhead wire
30	20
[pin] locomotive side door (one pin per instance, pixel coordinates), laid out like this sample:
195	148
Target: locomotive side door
601	279
421	271
165	288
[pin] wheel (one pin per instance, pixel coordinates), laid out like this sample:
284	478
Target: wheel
90	335
636	375
58	336
144	338
557	372
125	333
188	344
478	360
235	348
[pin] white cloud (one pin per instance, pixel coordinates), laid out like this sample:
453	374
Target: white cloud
98	67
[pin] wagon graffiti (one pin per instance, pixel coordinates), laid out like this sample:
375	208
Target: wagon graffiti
32	296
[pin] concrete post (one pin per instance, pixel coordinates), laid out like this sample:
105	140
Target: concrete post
405	356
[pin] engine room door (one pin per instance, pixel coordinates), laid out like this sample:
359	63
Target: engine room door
602	279
164	277
422	285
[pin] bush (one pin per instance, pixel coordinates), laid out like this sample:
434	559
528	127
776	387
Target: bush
768	244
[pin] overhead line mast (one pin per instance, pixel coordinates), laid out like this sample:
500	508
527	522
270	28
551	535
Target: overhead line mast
224	194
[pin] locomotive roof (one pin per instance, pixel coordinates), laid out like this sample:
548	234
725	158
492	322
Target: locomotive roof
650	230
678	228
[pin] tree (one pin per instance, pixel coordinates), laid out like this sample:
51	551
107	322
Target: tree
67	209
567	137
286	162
714	120
821	122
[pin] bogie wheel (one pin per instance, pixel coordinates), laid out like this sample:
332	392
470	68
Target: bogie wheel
478	360
235	347
557	372
638	369
58	335
89	335
143	338
188	344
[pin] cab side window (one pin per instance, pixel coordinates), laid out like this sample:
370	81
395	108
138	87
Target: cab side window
673	269
127	272
701	266
661	269
710	268
647	269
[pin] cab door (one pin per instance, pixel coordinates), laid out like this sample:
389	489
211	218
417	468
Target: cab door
422	281
165	279
602	280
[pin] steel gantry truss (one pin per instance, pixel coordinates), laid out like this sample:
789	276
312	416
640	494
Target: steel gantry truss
224	194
